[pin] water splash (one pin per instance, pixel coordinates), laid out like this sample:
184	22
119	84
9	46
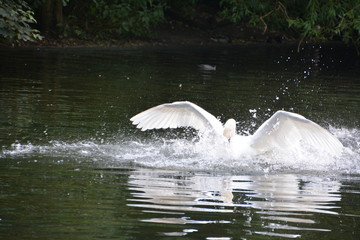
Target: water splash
193	154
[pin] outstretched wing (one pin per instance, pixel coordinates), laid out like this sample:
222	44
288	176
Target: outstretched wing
285	129
177	114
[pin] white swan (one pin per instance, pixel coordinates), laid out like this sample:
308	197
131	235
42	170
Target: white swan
282	130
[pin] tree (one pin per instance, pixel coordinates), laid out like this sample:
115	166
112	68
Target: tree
314	19
51	15
124	17
16	18
98	18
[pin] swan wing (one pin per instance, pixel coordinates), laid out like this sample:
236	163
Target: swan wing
286	129
177	114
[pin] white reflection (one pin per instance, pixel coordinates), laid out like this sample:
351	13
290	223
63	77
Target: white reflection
287	192
168	191
279	200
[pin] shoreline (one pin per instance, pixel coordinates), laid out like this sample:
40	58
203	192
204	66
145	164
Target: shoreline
181	35
172	34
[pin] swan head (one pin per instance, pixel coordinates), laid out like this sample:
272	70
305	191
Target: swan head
229	128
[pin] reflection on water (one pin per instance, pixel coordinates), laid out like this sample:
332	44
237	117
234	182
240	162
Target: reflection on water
72	166
275	202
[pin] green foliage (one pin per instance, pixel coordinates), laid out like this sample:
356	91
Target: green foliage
37	3
15	20
329	19
113	18
128	17
183	8
313	19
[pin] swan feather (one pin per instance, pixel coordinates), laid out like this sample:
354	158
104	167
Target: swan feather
282	130
177	114
285	129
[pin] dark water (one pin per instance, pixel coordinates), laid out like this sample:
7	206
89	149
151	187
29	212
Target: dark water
73	167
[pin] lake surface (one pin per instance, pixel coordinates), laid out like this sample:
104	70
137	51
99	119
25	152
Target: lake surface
72	166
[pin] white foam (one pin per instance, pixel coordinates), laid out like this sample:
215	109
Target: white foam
196	154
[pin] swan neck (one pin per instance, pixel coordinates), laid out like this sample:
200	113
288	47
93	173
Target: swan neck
229	129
